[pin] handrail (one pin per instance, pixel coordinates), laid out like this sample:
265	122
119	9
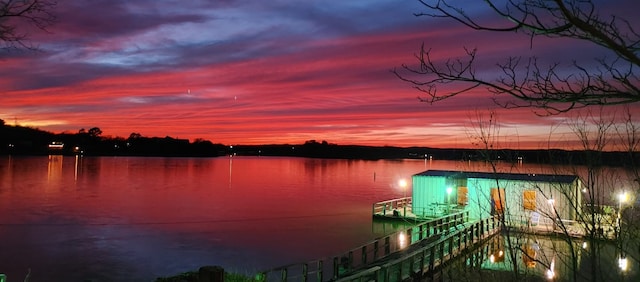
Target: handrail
426	258
393	204
363	255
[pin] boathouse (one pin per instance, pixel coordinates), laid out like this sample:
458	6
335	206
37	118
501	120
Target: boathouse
522	197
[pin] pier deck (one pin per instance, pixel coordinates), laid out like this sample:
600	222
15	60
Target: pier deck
430	243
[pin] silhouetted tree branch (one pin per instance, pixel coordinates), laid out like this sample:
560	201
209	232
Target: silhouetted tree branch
614	81
14	14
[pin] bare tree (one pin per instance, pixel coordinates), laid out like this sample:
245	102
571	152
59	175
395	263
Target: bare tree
592	209
15	14
533	84
607	217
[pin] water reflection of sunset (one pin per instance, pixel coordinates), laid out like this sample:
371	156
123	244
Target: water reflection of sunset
237	211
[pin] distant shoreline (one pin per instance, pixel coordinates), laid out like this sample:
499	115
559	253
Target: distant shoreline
561	157
18	140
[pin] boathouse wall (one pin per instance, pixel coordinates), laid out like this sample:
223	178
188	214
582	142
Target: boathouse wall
512	195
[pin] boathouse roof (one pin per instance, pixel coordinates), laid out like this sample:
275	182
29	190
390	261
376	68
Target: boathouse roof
556	178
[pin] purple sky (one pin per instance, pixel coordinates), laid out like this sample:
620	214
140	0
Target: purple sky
254	72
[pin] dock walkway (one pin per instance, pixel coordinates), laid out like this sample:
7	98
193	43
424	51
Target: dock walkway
426	254
416	251
400	254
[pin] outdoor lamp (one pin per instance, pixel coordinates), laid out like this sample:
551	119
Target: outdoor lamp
403	184
623	264
623	197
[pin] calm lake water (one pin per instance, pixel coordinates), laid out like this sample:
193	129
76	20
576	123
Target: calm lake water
134	219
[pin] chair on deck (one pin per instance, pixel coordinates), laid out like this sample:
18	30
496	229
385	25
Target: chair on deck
535	218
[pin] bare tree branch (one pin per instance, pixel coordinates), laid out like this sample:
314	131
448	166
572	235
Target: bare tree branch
615	81
14	14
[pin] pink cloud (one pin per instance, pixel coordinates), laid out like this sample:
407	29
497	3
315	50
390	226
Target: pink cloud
263	87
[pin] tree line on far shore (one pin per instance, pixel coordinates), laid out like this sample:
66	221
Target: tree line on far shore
20	140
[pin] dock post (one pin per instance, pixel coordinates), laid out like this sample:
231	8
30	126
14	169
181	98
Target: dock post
387	274
320	269
387	246
441	249
336	268
410	264
364	254
432	259
473	233
422	255
375	249
283	278
305	271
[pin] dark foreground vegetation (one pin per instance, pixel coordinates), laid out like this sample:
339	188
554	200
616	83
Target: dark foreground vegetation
19	140
206	274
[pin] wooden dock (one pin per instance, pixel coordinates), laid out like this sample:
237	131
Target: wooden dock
401	209
395	257
426	255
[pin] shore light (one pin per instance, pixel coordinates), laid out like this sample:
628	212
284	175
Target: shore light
551	272
402	240
623	263
403	184
622	198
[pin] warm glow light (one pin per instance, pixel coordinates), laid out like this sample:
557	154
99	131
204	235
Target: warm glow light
550	272
584	245
623	197
402	183
492	259
448	190
402	240
623	264
551	201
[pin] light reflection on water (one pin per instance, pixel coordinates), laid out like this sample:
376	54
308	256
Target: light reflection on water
541	258
133	219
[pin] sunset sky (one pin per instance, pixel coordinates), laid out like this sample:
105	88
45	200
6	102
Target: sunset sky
264	72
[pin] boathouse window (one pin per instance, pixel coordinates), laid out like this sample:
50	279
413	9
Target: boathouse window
462	196
497	200
529	200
